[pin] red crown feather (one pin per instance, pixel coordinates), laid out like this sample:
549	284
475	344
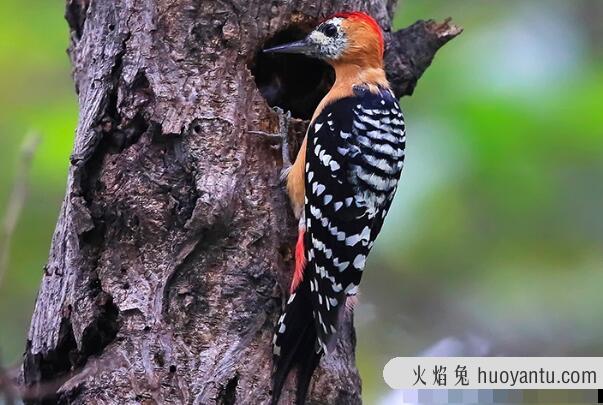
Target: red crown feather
359	15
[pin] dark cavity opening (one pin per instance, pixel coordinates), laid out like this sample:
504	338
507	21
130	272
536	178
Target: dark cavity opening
294	83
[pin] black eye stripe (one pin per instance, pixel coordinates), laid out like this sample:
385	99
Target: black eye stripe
330	30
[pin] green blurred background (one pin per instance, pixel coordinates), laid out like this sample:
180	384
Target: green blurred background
495	243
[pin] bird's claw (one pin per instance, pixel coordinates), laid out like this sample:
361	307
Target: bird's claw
281	112
283	131
280	138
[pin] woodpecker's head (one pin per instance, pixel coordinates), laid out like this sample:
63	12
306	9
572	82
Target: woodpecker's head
350	37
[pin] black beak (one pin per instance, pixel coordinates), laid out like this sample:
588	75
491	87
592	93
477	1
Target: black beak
301	47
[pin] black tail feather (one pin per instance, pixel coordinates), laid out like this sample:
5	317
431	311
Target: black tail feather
307	362
295	345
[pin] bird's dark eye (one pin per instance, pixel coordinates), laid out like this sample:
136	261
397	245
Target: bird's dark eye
330	30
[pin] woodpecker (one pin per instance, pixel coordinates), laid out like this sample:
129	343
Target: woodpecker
341	186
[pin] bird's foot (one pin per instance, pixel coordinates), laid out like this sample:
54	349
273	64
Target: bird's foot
280	138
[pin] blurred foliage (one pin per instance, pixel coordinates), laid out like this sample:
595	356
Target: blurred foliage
36	93
496	232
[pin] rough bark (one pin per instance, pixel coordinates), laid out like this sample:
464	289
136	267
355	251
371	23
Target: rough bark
172	252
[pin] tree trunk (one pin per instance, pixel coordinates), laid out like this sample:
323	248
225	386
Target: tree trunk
172	252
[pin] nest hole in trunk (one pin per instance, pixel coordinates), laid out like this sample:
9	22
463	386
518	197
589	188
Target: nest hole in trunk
294	83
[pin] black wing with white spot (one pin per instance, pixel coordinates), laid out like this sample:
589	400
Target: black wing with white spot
354	157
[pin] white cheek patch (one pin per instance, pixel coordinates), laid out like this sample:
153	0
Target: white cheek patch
335	47
330	47
319	38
